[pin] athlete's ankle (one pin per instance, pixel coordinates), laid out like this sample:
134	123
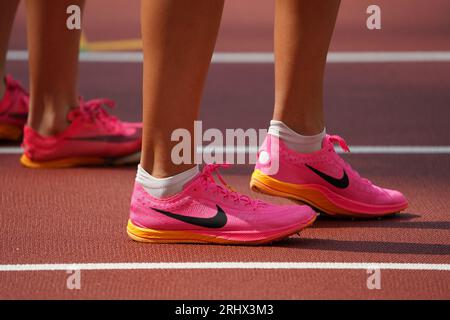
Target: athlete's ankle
48	113
167	186
296	141
49	125
160	168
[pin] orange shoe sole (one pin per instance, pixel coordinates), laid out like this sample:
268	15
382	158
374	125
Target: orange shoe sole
265	184
62	163
10	132
166	236
79	162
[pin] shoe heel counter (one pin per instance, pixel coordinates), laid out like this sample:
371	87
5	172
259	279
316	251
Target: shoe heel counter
141	213
136	202
41	148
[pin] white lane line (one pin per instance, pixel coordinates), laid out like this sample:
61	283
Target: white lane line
264	57
354	150
340	57
399	149
225	265
11	150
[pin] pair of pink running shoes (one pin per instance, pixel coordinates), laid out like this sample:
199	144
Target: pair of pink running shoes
206	210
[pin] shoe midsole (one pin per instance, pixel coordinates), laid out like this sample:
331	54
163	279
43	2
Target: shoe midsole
213	235
80	161
319	196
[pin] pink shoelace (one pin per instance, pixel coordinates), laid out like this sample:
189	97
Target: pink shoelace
335	139
93	110
225	190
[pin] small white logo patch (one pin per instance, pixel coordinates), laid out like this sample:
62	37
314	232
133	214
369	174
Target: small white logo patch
264	157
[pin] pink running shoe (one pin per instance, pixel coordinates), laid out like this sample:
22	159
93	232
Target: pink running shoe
13	110
205	212
93	137
323	180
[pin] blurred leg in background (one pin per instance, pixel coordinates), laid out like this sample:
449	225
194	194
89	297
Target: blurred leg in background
8	11
13	97
53	64
64	130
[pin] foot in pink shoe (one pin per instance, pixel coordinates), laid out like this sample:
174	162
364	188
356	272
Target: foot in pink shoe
13	110
322	179
93	137
205	212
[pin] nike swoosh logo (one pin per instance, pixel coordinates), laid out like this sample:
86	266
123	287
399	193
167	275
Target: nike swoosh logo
117	139
217	221
341	183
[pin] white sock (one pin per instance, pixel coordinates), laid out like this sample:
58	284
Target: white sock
294	140
165	187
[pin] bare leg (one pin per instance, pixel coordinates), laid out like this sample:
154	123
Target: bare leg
53	64
303	31
178	40
8	11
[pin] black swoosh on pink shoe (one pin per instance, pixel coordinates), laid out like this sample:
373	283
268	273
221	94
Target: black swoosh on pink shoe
341	183
217	221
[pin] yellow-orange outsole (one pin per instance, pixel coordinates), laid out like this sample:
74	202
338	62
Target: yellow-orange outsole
62	163
165	236
264	184
80	162
10	132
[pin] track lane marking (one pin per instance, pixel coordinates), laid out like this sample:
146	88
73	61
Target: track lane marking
354	150
263	57
225	265
11	150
